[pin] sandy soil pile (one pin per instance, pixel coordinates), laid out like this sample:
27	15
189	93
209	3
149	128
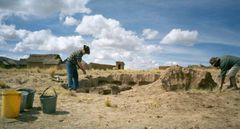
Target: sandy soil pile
142	107
179	78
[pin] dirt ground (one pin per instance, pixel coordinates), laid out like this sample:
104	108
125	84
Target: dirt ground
142	107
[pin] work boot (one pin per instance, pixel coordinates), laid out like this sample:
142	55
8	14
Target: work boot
233	83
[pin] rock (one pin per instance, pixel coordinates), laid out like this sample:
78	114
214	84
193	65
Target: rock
125	87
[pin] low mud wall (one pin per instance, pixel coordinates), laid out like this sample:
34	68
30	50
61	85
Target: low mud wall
120	79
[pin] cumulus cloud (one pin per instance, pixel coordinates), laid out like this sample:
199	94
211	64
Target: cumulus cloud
142	62
108	33
44	7
150	34
113	42
70	21
71	7
178	36
45	40
9	32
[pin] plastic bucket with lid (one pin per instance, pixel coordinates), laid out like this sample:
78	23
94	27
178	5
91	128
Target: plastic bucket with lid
48	103
24	100
11	100
30	97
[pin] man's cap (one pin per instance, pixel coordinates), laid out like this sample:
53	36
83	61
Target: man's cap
214	60
86	49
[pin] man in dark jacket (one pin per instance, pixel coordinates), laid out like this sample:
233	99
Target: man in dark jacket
74	62
229	66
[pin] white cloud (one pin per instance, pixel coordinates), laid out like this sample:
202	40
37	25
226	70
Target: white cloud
71	7
178	36
142	62
3	55
108	33
70	21
112	42
98	26
44	7
45	40
9	32
23	57
2	41
170	63
150	34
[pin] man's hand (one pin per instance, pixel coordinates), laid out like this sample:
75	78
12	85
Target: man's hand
222	82
88	76
80	65
84	72
220	89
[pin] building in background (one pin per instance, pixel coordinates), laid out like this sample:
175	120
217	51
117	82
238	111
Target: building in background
119	65
43	60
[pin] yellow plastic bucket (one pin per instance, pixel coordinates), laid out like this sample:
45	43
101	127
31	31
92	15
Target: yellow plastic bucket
11	100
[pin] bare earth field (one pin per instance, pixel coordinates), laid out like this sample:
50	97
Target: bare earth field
146	106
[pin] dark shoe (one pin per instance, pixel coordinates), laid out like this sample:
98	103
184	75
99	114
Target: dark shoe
70	89
229	87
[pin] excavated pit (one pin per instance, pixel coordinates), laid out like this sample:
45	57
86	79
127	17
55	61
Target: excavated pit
115	83
172	79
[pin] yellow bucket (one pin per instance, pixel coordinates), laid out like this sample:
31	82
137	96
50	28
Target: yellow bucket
11	100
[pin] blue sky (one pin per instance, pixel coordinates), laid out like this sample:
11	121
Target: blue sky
142	33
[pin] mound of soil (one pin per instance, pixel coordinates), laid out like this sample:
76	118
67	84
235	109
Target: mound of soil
178	78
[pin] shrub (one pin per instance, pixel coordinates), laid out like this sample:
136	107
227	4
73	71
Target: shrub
108	103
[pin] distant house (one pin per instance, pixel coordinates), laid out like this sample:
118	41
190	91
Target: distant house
119	65
43	60
101	66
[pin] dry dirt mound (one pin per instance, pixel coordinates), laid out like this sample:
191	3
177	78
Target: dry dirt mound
178	78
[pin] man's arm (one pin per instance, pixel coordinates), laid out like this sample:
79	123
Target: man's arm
222	82
222	75
81	67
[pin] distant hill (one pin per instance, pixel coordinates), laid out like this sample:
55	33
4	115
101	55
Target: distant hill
7	62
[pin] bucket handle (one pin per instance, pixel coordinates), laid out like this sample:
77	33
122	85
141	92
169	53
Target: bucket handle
47	89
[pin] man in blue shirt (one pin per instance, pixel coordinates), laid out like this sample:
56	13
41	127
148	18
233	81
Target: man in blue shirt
74	61
229	66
